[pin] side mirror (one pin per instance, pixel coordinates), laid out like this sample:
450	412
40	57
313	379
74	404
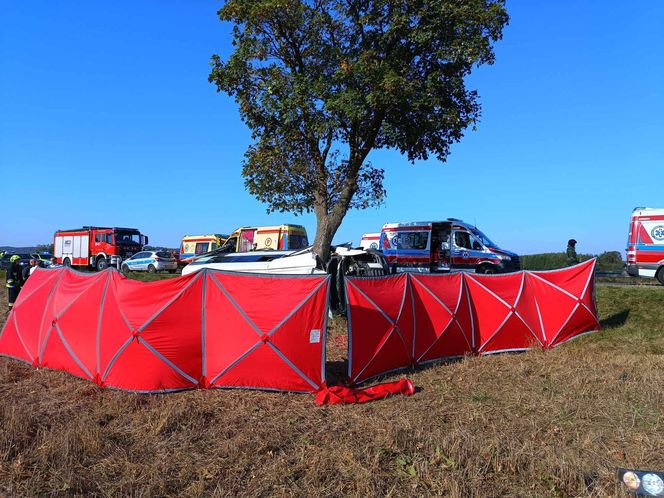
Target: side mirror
144	240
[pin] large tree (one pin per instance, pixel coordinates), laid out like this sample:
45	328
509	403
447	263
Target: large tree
321	83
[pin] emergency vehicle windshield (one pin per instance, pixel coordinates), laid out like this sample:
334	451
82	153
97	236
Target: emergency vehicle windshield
297	242
484	239
128	238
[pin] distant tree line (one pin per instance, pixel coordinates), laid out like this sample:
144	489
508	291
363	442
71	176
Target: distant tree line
44	248
160	248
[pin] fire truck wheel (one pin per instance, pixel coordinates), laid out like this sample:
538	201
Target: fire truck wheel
66	262
152	269
660	275
124	269
102	264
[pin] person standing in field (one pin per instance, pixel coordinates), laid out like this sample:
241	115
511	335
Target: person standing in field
13	280
572	258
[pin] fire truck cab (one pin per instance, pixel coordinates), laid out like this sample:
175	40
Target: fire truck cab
645	243
97	247
443	246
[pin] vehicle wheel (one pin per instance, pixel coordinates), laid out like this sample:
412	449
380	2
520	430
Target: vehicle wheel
660	275
124	269
66	262
152	269
102	264
486	270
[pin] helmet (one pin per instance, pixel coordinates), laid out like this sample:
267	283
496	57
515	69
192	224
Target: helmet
15	257
571	242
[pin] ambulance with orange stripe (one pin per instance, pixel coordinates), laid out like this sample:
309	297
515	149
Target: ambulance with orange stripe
645	244
195	245
278	237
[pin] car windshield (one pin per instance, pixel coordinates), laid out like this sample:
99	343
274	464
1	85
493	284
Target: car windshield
127	238
483	238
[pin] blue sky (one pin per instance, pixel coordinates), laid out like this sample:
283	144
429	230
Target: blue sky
107	118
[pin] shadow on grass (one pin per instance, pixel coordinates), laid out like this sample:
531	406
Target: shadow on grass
336	372
615	320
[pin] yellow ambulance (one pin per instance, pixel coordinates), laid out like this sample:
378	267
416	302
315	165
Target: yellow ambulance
278	237
195	245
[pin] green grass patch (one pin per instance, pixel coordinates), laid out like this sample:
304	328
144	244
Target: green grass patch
143	276
632	320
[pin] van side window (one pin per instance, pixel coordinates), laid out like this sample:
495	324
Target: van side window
420	240
412	240
246	241
462	239
201	247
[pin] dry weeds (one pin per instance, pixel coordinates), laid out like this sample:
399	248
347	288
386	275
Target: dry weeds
554	423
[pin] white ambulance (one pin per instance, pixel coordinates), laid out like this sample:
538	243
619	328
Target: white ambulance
645	243
370	241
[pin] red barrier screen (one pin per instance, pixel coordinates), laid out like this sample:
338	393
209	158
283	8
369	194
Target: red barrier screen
456	314
380	324
205	330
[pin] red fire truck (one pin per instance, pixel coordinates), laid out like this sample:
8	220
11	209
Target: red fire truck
97	247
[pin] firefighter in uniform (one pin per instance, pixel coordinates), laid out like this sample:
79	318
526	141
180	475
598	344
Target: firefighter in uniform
572	258
14	280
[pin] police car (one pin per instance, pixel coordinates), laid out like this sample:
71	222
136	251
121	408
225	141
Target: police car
150	261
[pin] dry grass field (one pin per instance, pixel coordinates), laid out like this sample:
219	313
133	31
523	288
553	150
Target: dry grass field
542	423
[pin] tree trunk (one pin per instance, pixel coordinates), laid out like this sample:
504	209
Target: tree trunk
329	220
327	226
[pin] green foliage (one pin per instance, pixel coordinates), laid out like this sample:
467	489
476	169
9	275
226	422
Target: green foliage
607	261
610	261
322	83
